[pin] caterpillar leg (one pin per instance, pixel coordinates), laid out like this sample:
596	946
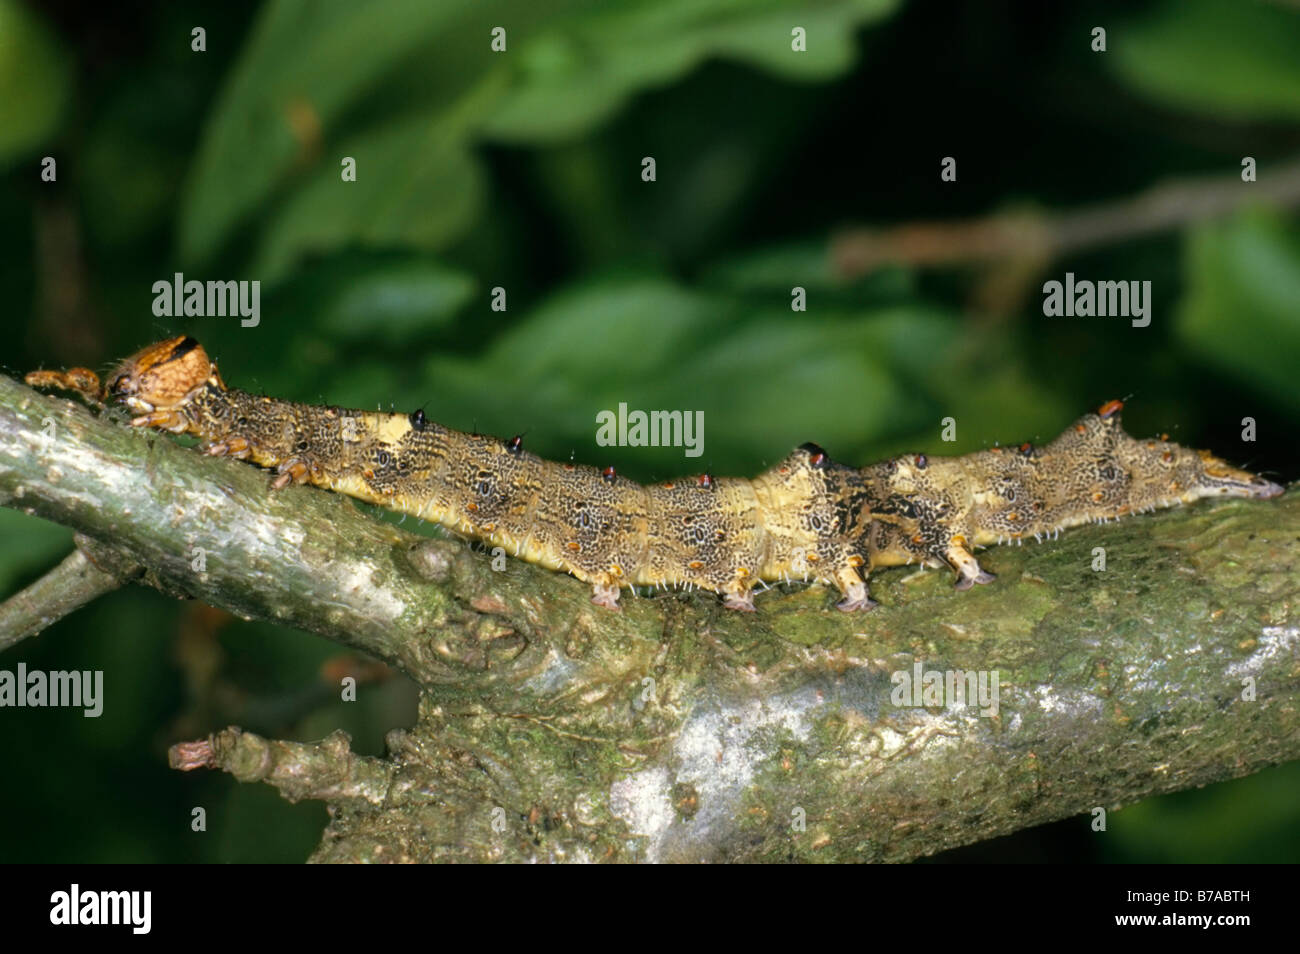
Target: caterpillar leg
299	471
237	447
737	592
606	595
854	588
743	602
969	571
173	421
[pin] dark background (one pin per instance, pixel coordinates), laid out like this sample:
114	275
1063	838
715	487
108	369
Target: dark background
522	170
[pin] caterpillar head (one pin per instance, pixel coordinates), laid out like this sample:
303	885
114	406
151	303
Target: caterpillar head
163	376
1217	476
1159	472
1163	473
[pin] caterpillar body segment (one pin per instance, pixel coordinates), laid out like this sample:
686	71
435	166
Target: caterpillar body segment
1092	473
803	519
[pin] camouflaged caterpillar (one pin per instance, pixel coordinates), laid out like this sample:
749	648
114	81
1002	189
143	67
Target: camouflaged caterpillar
806	518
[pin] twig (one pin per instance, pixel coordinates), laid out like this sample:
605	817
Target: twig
69	586
1042	236
325	771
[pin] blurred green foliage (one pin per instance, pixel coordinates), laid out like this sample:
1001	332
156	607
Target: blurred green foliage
309	69
1247	270
35	78
521	170
1179	54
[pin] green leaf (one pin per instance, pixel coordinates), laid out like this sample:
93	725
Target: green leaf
379	298
578	73
765	382
1239	313
574	348
1235	59
305	64
35	81
287	115
396	302
416	186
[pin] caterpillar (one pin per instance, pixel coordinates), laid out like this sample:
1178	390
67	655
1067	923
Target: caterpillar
808	517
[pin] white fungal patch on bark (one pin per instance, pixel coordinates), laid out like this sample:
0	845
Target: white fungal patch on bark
1274	641
717	754
1068	702
556	673
643	802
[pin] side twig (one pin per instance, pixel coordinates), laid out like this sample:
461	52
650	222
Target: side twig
1043	236
69	586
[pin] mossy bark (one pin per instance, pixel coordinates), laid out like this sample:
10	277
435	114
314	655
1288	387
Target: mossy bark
550	729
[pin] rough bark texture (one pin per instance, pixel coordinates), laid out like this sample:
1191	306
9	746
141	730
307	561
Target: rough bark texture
550	729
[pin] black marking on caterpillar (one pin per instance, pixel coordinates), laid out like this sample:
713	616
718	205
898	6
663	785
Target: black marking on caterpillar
808	517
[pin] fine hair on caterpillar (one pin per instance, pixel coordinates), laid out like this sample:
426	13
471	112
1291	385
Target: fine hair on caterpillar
807	518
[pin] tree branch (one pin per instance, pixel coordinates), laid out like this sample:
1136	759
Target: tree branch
552	730
69	586
1039	237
